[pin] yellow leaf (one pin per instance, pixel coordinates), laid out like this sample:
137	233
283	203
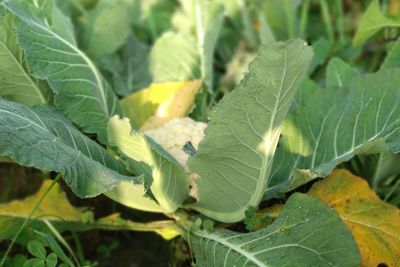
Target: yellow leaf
50	208
374	224
153	106
56	209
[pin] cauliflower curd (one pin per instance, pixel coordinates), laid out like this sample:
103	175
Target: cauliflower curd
173	135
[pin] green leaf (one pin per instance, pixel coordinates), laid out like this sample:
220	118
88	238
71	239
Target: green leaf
107	27
322	48
282	17
16	83
266	34
211	17
51	260
339	73
371	23
81	92
155	16
129	69
134	196
37	249
44	139
60	22
235	157
18	260
307	88
392	59
307	233
377	168
54	246
188	52
34	263
174	57
169	185
336	124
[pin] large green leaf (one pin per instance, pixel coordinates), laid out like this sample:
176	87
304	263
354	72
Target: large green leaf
235	157
188	52
107	27
81	92
42	138
16	83
334	125
169	182
174	57
209	23
307	233
372	22
307	88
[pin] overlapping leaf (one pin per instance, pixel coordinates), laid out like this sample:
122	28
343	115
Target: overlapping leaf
235	158
374	224
16	83
44	139
334	125
81	92
169	182
307	233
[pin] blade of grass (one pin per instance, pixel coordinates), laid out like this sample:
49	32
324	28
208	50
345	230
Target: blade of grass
60	239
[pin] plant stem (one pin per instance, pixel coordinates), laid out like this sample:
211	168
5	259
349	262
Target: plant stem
327	20
42	197
340	20
375	177
394	188
304	18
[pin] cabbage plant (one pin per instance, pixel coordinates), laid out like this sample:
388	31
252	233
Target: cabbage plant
274	132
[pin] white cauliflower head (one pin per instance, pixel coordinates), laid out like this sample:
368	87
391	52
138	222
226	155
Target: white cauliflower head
173	136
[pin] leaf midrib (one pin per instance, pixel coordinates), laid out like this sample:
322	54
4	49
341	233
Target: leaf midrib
265	163
85	58
234	247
